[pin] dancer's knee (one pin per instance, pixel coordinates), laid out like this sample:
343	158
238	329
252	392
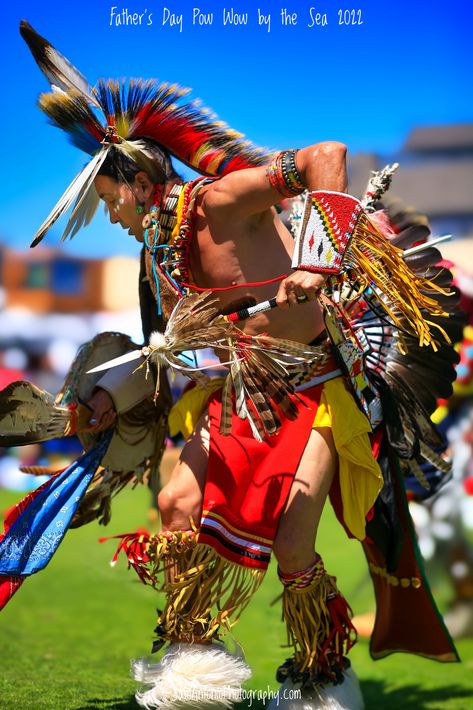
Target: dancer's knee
179	510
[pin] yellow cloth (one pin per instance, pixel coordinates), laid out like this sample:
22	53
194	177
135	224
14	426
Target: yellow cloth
186	412
439	415
360	476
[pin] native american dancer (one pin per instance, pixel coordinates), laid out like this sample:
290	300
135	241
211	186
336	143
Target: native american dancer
309	407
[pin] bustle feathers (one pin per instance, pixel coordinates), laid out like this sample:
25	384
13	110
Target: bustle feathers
260	367
410	376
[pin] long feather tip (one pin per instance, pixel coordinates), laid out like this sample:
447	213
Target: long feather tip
36	241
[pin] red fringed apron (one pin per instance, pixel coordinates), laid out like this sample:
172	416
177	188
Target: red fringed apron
248	482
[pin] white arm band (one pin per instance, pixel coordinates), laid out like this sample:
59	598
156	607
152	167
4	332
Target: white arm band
127	385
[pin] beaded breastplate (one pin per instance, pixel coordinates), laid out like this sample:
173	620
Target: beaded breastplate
168	232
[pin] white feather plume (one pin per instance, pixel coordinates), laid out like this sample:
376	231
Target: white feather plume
77	190
191	676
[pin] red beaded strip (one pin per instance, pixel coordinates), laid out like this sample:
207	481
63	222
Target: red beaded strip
283	174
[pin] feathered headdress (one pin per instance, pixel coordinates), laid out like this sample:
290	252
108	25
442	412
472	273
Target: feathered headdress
129	115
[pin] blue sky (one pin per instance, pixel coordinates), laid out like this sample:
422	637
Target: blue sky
365	84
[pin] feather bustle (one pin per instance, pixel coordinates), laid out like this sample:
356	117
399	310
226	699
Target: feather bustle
261	367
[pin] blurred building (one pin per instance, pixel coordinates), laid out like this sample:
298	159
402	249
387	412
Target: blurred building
47	281
51	303
435	176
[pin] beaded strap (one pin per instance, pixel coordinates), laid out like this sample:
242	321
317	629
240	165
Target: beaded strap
283	174
304	578
167	233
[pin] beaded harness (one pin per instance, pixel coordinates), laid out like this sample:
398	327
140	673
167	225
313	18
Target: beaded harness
168	231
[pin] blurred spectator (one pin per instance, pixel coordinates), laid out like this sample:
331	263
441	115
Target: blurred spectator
12	364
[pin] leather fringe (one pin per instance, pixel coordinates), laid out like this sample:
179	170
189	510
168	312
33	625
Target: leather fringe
407	299
205	594
319	626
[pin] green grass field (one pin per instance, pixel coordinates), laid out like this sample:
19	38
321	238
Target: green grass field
67	636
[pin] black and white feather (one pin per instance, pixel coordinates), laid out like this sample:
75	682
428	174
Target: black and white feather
58	70
411	378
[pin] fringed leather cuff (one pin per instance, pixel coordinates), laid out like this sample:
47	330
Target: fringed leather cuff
337	237
318	621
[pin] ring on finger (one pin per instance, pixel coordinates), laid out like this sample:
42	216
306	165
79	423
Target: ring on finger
301	297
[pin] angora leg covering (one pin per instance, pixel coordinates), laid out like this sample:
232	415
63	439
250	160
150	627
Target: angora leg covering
193	676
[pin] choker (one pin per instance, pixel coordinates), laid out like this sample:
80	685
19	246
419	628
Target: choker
162	218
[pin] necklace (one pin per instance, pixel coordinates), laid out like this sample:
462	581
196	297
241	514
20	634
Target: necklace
168	229
161	220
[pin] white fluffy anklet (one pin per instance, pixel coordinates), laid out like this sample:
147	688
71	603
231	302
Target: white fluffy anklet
343	696
193	676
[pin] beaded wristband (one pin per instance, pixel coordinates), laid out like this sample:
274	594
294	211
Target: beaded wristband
283	174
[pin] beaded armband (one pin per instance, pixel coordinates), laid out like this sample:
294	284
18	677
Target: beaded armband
328	223
283	174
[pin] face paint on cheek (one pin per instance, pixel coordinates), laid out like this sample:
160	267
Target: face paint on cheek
117	206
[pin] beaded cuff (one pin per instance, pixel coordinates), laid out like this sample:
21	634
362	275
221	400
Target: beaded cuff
283	174
304	578
328	224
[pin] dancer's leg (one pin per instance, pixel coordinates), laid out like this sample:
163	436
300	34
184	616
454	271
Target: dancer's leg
316	615
295	539
180	500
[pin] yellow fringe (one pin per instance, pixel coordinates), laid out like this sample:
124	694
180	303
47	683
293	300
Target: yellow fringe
205	595
380	263
309	625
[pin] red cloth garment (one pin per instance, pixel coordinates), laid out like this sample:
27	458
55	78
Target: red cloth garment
248	482
247	486
407	617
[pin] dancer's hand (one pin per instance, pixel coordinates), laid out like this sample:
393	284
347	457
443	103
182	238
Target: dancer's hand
102	414
299	287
